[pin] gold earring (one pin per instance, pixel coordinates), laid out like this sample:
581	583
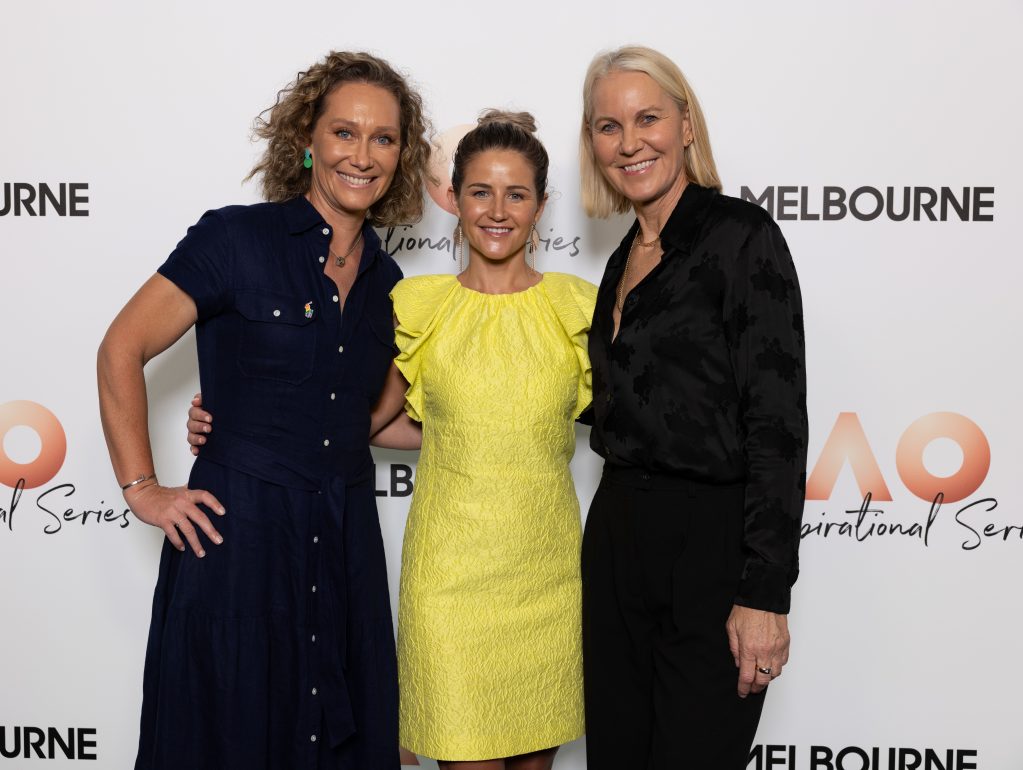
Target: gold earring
459	239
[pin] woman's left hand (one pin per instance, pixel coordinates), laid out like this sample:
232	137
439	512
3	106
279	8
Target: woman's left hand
759	642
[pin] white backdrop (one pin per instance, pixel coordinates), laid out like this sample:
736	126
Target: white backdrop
903	646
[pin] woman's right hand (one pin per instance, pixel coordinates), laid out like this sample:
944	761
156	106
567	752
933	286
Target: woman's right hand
175	510
199	424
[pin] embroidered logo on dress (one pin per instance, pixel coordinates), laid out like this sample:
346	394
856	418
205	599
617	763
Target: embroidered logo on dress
308	309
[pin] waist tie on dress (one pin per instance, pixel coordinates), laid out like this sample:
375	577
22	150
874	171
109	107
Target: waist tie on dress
331	614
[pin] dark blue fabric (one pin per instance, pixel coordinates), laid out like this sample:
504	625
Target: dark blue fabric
277	649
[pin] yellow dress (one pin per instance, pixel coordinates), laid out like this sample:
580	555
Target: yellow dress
489	639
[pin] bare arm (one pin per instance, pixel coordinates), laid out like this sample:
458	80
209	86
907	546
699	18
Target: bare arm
156	317
400	433
391	401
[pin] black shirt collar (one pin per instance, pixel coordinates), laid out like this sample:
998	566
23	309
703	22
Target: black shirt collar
686	221
301	216
683	225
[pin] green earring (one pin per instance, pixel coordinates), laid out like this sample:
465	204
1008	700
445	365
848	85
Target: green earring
308	162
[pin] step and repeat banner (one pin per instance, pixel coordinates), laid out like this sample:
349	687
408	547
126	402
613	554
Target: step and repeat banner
883	137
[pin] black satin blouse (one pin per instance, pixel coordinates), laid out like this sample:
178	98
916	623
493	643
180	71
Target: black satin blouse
706	379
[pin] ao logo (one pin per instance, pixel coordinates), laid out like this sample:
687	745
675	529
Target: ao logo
51	435
848	443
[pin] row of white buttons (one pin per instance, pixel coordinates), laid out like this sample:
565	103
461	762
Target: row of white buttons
316	539
326	442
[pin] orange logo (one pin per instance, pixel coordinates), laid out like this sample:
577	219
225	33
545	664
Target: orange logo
848	444
51	435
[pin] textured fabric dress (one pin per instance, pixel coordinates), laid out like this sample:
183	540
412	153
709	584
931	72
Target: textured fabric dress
276	650
489	618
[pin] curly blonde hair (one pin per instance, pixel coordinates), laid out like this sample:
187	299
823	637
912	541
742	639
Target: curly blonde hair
290	122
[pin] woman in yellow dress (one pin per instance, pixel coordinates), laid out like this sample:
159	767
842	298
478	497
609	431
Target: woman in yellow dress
492	371
497	372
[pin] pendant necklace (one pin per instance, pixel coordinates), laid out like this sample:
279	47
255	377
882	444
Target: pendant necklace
339	259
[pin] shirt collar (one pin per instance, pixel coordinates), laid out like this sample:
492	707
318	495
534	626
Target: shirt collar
683	225
370	246
686	221
301	216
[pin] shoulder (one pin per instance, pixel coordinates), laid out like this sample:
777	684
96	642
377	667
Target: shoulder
731	226
571	286
389	266
231	221
425	283
422	290
572	299
745	216
241	215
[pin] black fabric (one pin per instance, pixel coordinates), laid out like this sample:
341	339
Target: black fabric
706	378
661	562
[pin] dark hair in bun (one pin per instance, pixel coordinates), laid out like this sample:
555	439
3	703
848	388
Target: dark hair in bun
499	130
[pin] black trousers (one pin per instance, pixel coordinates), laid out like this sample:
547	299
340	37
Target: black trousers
661	563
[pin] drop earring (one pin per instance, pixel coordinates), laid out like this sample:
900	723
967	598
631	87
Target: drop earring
459	240
308	160
531	247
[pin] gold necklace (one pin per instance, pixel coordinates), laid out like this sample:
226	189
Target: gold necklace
339	259
625	273
654	242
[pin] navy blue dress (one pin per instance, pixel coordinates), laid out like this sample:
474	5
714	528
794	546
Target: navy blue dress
276	651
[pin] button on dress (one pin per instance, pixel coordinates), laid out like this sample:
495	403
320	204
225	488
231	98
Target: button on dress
489	628
276	650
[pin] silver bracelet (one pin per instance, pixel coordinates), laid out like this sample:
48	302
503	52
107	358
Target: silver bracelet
139	480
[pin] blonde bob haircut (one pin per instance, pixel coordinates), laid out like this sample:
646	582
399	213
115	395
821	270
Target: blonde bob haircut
600	199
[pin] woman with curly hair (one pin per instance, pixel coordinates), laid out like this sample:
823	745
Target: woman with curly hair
274	647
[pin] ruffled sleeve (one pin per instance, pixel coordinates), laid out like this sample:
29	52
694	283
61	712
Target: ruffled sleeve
573	300
417	303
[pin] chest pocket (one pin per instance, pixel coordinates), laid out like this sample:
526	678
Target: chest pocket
277	340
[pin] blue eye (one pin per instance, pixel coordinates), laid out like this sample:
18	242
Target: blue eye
607	128
479	194
344	133
648	119
385	140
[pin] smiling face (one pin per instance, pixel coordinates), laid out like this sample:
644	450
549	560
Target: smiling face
639	138
355	144
497	204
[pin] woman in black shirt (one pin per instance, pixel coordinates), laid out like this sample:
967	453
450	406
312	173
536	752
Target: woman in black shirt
690	547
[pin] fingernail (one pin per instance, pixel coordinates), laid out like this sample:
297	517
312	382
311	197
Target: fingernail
202	439
181	548
221	511
206	428
218	539
202	554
